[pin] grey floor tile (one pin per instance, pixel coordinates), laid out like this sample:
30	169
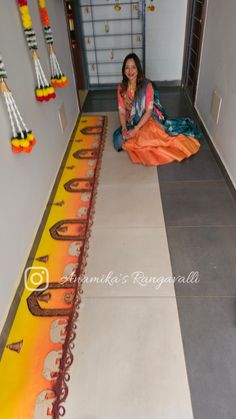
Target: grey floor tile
106	94
174	99
175	108
201	166
100	105
203	142
197	203
208	251
209	338
231	186
101	101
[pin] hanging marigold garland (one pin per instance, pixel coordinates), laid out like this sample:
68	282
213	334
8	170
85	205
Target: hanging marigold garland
22	138
58	79
44	91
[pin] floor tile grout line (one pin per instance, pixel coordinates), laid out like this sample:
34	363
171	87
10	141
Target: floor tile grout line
129	184
140	297
132	227
195	181
200	225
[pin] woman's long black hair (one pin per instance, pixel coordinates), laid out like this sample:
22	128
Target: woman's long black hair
140	76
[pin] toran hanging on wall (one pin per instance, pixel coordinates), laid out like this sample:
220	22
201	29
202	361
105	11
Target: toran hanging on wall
44	90
58	79
22	138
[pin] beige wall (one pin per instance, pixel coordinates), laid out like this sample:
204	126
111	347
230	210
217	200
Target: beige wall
218	72
165	33
26	180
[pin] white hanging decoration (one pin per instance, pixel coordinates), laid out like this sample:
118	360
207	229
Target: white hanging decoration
22	139
44	91
58	78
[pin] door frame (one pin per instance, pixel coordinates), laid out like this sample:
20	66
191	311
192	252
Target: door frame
75	49
187	46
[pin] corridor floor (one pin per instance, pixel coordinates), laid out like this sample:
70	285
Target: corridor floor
122	351
129	359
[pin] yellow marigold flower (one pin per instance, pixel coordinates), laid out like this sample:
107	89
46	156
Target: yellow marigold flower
24	143
24	10
30	136
39	92
15	142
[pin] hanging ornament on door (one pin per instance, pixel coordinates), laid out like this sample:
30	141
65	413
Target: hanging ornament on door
44	91
117	7
106	26
92	66
58	79
138	38
86	10
151	7
22	138
112	55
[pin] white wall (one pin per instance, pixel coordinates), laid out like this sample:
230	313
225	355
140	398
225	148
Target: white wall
165	32
26	180
218	71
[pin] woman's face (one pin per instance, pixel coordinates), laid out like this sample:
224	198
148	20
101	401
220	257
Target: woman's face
131	70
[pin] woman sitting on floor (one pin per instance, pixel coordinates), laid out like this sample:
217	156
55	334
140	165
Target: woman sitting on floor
146	132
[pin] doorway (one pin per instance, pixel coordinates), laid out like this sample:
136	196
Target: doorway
193	44
76	51
110	30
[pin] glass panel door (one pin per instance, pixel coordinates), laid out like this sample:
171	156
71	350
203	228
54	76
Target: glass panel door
111	30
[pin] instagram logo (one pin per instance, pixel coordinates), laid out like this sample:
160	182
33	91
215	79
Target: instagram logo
36	277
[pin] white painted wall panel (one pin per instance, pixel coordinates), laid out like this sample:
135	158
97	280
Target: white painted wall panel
165	33
217	72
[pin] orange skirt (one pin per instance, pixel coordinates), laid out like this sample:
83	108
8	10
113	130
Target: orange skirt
152	146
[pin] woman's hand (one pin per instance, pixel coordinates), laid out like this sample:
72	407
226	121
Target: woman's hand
131	133
124	133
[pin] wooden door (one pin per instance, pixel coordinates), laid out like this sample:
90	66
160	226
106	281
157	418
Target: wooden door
76	50
194	35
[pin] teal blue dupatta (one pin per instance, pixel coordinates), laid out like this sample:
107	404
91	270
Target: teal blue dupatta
173	126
